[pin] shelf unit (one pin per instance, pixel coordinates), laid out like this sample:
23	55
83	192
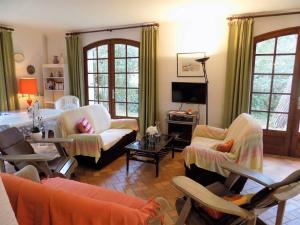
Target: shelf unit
55	83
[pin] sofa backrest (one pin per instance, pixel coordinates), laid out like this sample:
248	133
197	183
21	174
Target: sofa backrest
97	115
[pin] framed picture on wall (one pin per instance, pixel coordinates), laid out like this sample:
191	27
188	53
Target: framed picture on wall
187	65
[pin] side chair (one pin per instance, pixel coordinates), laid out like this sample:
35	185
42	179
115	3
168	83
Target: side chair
192	208
19	152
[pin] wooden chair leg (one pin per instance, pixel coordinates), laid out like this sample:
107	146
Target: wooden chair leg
2	166
185	211
252	221
280	213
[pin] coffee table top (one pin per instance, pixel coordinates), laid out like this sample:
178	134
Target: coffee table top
143	145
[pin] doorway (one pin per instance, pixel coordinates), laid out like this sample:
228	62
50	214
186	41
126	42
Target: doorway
275	90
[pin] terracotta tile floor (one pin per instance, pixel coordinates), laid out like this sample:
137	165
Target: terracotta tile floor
141	182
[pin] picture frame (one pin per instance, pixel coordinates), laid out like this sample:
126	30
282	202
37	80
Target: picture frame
187	65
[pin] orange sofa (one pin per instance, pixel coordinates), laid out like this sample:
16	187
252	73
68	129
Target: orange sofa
58	201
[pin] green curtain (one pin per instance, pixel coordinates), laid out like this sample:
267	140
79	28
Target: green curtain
75	64
148	104
8	81
238	70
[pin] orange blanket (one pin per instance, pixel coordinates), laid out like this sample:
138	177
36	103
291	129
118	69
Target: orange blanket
64	202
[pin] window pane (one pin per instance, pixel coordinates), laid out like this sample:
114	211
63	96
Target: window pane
120	50
106	105
133	65
92	66
120	80
280	103
120	95
261	118
103	94
132	51
265	47
102	51
93	93
133	80
287	44
103	80
282	84
133	110
121	109
92	80
263	64
260	102
92	54
278	121
103	66
133	95
284	63
261	83
120	65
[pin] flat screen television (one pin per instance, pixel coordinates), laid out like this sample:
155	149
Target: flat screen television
185	92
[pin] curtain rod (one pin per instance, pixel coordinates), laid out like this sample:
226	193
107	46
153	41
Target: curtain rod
262	15
112	29
7	28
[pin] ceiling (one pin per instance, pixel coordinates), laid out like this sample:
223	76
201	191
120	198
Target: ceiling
74	15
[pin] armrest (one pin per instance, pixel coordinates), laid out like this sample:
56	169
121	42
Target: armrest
206	198
210	132
125	124
248	173
52	140
26	158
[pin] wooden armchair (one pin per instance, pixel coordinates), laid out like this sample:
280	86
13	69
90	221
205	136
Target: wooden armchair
191	208
16	150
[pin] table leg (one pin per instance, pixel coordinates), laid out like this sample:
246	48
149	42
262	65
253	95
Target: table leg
173	152
127	160
157	166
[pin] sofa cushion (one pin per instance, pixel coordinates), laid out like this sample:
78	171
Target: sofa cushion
111	136
97	115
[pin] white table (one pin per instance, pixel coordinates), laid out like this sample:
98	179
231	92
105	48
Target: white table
23	119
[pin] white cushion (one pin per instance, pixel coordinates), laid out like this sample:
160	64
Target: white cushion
205	142
97	115
111	136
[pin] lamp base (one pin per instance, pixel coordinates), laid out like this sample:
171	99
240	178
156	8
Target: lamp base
29	101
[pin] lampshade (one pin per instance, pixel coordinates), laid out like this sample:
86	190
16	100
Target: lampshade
28	86
202	60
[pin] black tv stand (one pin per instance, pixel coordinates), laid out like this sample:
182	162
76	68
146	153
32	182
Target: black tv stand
181	126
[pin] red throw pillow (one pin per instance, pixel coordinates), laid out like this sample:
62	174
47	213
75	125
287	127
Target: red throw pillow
225	147
84	126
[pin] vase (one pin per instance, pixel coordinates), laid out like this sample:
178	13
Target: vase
37	135
55	60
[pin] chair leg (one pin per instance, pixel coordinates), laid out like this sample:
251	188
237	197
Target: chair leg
252	221
186	209
2	166
280	213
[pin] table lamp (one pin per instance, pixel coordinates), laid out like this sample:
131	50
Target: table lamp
28	86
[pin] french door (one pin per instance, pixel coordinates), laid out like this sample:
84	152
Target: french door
275	90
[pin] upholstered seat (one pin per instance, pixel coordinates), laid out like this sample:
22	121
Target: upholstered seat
247	149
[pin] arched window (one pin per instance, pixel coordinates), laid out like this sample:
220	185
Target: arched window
112	76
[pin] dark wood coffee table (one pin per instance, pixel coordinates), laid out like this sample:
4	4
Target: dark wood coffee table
144	151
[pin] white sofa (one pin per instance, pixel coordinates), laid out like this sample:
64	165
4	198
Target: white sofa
247	149
108	133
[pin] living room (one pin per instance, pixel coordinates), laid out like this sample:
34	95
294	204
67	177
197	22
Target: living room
59	60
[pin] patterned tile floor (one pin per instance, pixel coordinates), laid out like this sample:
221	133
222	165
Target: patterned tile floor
141	182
